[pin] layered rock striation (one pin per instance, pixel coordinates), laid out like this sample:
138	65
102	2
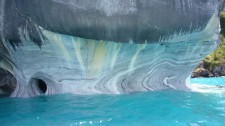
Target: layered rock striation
104	46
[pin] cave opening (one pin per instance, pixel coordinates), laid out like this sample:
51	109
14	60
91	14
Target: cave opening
7	83
41	85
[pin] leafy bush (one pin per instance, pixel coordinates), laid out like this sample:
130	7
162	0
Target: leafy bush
218	56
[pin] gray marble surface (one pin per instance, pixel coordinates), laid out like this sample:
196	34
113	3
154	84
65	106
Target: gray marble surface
101	50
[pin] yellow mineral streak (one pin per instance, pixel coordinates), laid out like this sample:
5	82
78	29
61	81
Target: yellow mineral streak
95	67
116	49
139	48
58	41
77	46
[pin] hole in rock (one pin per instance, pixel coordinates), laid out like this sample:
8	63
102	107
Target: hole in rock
41	85
7	83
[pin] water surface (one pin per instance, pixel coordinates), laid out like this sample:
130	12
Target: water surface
159	108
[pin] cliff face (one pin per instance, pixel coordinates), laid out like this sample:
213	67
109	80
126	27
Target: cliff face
104	46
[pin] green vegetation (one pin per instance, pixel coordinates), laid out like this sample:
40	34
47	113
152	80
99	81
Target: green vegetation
218	56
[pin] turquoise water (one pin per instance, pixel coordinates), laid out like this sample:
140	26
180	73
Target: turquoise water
209	81
159	108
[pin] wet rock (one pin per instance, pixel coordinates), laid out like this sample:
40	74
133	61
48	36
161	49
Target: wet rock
201	72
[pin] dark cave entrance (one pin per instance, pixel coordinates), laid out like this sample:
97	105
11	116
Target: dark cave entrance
7	83
41	85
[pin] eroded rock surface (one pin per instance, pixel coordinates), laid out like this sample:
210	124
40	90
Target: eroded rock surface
105	46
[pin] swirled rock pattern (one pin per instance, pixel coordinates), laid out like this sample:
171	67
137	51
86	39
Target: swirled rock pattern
105	46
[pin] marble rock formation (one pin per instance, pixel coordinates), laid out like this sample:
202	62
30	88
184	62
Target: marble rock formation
103	46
